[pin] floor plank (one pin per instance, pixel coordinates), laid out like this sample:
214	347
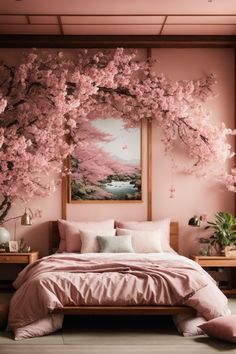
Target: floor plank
96	335
108	349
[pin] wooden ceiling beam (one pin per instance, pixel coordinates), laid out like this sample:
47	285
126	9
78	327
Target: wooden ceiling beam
131	41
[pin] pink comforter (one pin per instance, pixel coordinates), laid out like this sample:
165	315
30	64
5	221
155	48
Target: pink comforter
108	280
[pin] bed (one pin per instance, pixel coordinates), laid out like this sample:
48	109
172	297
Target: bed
112	284
118	310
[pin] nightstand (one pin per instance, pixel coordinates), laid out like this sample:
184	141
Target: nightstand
220	262
11	263
18	257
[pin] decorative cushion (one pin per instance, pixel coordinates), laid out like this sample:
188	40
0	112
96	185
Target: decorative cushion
49	323
162	225
120	244
143	241
89	239
70	232
188	324
221	327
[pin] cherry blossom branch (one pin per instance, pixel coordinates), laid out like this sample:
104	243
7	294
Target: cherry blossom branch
48	97
204	139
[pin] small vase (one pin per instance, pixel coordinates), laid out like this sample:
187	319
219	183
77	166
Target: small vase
4	235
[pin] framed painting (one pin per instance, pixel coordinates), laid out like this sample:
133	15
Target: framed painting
13	246
106	164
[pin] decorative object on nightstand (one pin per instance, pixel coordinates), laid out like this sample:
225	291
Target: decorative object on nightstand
6	244
4	238
223	239
13	246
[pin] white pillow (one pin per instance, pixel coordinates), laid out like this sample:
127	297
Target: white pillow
143	241
122	244
89	242
163	225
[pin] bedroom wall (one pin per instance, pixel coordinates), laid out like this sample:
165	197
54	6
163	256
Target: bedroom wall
193	196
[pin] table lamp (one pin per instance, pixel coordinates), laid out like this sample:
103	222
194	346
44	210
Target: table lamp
27	217
195	221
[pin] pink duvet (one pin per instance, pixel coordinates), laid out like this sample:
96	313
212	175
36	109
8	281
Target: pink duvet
108	280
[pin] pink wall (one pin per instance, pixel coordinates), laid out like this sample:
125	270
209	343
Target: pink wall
193	196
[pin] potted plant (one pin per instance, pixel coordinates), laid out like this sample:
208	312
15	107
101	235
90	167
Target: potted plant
223	239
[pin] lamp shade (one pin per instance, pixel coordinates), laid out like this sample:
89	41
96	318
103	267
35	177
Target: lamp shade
194	221
27	217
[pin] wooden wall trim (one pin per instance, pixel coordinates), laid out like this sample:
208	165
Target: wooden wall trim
149	159
149	171
235	120
64	186
145	41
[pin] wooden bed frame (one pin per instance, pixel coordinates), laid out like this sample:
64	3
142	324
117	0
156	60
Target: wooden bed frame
120	310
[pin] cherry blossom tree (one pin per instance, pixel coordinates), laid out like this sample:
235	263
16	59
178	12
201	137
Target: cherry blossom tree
45	100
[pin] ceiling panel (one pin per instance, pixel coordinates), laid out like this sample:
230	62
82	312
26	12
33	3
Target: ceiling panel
29	29
118	7
201	19
199	30
108	17
113	19
43	20
111	30
13	19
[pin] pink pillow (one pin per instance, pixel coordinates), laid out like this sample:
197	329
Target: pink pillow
221	327
163	225
143	241
89	239
69	232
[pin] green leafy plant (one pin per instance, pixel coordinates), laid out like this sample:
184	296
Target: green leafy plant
224	230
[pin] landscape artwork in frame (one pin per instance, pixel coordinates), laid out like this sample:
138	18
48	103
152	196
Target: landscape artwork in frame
106	163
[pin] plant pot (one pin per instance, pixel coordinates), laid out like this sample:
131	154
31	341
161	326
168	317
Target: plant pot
230	251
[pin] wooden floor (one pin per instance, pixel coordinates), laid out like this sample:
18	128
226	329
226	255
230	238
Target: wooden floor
118	335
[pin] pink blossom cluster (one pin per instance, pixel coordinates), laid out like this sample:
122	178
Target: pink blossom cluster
47	104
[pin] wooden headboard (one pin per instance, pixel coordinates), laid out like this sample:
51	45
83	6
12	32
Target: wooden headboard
54	237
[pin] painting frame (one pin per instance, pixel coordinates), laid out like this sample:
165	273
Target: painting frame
13	246
68	180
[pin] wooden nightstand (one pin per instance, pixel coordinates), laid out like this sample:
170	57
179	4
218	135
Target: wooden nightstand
220	262
19	257
11	263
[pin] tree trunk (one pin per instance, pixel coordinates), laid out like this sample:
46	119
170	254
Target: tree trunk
4	208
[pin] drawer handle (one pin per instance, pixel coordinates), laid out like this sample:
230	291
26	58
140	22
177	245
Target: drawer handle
6	258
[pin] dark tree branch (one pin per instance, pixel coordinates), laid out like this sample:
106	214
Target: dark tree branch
12	76
194	129
119	90
4	208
